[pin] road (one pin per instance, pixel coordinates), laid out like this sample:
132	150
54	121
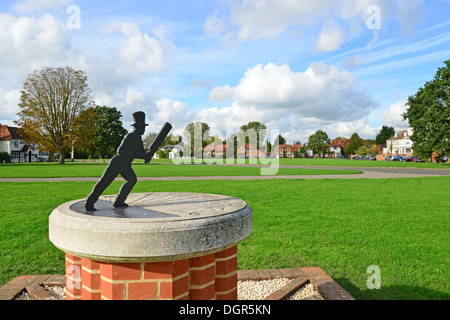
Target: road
368	173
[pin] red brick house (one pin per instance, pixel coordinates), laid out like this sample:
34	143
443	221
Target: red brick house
286	150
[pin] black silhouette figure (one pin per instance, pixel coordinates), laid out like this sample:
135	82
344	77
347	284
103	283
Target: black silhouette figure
130	148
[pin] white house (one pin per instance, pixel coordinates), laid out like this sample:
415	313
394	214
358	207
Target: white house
400	143
14	144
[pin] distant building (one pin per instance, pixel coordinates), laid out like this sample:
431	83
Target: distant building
400	143
338	147
286	150
249	151
215	150
14	144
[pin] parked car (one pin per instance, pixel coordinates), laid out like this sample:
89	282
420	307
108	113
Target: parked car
372	158
355	158
398	157
363	158
413	159
388	158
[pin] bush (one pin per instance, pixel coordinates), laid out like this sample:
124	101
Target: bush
5	157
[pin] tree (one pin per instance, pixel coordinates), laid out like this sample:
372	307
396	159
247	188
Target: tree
148	140
374	150
429	114
384	134
85	128
51	101
110	130
319	142
279	140
362	151
197	137
259	129
353	144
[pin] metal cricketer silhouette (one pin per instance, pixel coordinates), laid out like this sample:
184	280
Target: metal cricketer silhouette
130	148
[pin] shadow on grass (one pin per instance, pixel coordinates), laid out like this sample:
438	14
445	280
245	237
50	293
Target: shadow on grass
392	292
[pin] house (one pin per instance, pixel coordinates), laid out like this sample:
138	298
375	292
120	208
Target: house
249	151
286	150
174	150
215	150
338	147
13	143
400	143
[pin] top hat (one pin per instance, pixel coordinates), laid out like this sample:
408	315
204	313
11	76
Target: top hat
139	118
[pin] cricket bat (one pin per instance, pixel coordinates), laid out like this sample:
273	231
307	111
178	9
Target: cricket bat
158	140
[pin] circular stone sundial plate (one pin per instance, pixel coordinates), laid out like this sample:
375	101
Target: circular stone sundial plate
154	227
163	205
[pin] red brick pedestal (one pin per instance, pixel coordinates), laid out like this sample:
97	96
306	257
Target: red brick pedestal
210	277
166	246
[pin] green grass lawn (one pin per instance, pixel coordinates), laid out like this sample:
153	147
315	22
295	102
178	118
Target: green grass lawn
331	163
157	169
341	226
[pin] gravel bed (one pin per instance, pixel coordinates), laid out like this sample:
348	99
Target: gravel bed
259	290
57	291
247	290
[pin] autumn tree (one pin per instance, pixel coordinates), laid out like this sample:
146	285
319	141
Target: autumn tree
429	114
51	101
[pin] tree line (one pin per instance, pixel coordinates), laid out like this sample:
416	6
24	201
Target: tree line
58	113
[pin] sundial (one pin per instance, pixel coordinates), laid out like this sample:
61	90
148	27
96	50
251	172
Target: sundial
176	206
155	225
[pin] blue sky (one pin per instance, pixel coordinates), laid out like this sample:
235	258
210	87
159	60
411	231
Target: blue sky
298	66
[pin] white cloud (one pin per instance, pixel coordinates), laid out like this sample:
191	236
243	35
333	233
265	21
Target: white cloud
215	25
29	6
172	111
393	116
321	91
251	20
330	39
30	43
140	52
221	93
295	103
9	103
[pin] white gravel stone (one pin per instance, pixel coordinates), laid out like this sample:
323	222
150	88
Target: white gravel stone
247	290
307	292
259	290
57	291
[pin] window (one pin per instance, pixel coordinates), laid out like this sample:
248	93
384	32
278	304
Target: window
14	155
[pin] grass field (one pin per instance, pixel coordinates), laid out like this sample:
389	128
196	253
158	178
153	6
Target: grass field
338	163
342	226
157	169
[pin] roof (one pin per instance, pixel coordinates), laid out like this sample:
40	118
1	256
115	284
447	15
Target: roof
217	148
400	135
338	143
9	133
